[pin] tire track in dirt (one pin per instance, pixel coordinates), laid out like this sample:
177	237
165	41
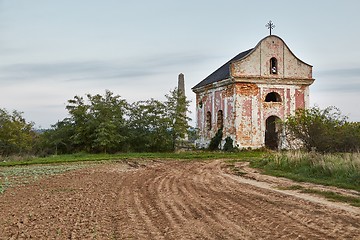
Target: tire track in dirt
216	221
165	200
227	204
266	202
195	208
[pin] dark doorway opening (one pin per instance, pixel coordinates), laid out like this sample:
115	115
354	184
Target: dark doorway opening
272	133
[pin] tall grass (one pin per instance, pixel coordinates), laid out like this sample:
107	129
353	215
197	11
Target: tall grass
340	169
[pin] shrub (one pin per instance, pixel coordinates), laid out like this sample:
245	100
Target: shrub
228	146
216	140
322	130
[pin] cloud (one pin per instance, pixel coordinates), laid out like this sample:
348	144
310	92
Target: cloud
31	71
338	80
344	72
131	68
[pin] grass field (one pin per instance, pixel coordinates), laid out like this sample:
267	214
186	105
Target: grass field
340	170
79	157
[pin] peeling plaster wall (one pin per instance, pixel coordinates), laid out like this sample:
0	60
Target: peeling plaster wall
252	110
213	100
245	111
249	66
242	97
257	63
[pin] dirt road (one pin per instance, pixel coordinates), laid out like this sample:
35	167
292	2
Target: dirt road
166	200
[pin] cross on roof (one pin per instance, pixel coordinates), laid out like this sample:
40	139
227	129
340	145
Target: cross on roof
270	25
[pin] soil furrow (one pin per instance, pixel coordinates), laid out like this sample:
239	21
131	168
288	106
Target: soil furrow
166	200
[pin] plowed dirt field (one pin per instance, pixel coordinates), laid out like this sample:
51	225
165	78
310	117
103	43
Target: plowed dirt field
168	200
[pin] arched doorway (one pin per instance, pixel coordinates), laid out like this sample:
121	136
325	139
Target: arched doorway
272	132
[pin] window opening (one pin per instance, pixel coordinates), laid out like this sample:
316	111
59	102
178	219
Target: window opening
200	104
273	97
273	66
220	121
208	120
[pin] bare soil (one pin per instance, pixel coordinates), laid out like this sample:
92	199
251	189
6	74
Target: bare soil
169	200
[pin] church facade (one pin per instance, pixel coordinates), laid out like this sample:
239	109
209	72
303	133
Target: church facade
247	95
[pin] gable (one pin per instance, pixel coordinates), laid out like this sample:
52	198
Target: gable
255	63
258	63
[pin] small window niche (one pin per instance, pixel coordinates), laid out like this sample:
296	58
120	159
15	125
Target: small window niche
208	120
200	104
220	119
273	66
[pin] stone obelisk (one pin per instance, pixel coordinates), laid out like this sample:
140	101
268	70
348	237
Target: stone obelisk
181	90
181	84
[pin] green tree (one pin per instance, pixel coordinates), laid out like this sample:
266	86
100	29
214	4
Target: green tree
80	120
107	121
148	127
158	126
57	139
98	123
16	135
176	106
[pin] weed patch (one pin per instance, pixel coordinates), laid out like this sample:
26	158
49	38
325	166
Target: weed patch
340	170
354	201
235	170
333	196
292	187
22	175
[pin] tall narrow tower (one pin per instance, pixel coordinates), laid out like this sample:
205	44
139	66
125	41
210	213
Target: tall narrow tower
181	84
181	91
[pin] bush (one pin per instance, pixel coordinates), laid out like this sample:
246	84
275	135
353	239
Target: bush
228	146
216	140
322	130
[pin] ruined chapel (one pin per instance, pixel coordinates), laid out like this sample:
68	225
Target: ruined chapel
248	94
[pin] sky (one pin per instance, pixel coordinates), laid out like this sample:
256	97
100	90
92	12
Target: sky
51	50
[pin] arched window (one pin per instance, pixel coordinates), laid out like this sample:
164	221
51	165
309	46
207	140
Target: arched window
208	120
273	97
220	121
273	66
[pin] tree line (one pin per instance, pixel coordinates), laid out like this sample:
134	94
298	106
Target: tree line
101	124
108	124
